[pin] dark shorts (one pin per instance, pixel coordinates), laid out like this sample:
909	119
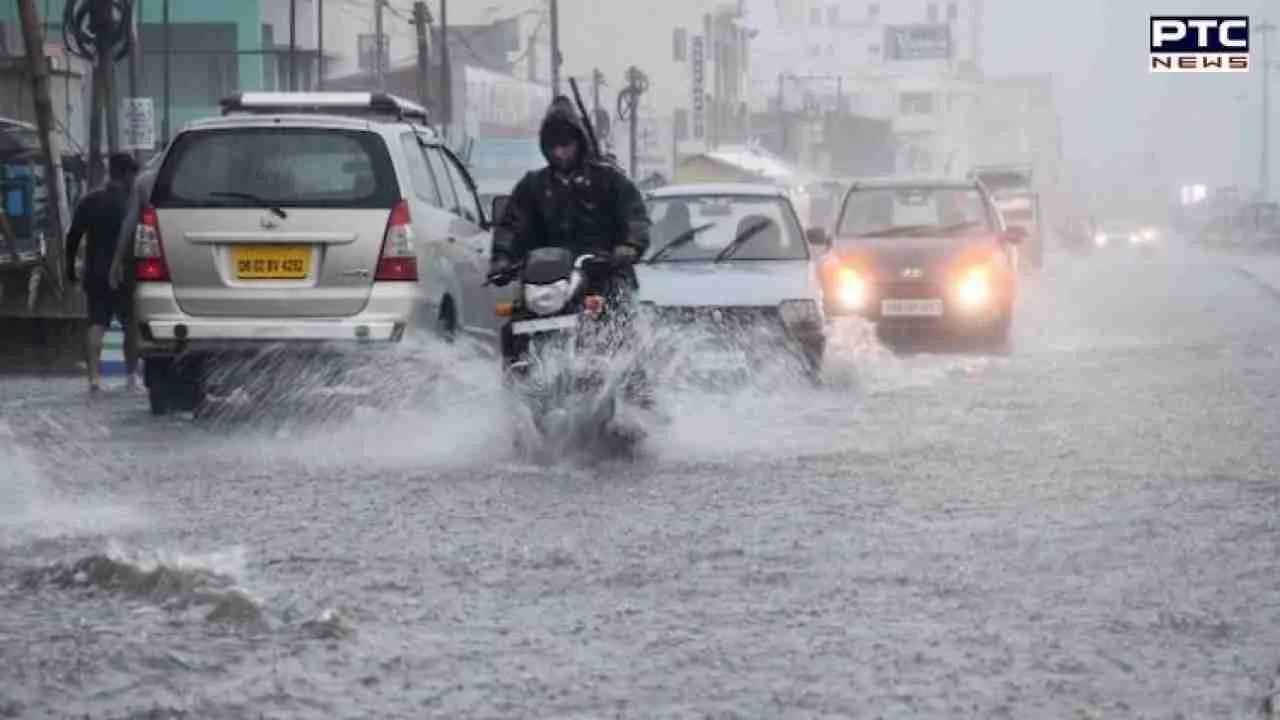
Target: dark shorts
103	303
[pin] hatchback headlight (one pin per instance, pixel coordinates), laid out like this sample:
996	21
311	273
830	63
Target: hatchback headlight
799	312
547	299
974	289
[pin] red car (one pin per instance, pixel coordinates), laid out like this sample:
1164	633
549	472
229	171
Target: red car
924	257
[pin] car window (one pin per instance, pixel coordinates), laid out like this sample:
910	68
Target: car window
424	183
468	207
441	172
911	210
287	167
711	222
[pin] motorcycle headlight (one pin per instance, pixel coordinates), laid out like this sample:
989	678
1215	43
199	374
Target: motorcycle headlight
799	312
546	299
974	288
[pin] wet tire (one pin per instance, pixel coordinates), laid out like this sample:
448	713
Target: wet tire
447	321
173	386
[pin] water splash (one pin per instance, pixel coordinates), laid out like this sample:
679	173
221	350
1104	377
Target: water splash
34	509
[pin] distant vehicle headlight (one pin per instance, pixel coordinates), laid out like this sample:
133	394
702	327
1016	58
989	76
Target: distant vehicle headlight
1100	239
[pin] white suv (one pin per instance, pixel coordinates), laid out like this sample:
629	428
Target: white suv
294	221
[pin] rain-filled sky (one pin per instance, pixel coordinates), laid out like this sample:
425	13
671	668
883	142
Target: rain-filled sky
1118	118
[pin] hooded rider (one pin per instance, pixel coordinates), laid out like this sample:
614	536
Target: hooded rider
580	203
577	202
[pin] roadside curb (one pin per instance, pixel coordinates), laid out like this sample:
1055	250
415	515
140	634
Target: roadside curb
1270	287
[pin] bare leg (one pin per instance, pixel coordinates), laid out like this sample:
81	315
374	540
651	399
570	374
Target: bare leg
93	351
131	353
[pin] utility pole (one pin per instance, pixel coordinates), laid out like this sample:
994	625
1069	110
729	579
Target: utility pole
421	19
377	45
319	44
135	60
1264	160
783	135
555	47
599	116
32	41
167	72
102	100
293	45
446	69
629	111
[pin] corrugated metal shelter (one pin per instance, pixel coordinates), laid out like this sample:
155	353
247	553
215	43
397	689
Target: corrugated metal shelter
740	163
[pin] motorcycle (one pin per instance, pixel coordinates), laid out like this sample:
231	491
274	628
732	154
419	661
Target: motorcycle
559	349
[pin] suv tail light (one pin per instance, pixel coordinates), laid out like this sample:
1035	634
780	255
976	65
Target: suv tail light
399	260
148	251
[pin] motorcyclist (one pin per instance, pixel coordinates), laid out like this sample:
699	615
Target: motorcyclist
577	202
580	203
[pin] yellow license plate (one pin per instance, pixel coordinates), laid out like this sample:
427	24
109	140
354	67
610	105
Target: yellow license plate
271	262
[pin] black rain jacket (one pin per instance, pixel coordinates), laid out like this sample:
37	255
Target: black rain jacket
592	208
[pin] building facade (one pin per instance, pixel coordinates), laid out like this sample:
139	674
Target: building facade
693	52
192	54
913	62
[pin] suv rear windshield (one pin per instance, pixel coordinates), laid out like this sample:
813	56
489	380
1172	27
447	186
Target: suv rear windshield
282	167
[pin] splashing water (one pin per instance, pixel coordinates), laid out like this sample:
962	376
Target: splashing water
424	404
34	510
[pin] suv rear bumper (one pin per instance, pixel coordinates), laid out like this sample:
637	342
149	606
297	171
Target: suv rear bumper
166	329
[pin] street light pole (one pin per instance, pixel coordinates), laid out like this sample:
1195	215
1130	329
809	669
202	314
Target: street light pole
554	12
1264	159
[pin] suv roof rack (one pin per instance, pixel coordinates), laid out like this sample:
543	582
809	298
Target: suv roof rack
378	104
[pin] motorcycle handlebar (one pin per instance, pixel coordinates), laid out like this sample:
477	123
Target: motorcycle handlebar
506	275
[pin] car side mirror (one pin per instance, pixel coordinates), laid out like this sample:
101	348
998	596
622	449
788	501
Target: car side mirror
817	237
1015	235
497	207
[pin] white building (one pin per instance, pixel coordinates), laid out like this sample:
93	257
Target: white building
663	38
910	60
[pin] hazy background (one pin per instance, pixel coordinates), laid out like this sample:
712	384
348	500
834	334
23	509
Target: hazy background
1121	122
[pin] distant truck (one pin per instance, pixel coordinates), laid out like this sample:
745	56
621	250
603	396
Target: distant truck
1013	190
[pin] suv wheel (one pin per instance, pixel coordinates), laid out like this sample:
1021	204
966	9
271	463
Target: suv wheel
173	386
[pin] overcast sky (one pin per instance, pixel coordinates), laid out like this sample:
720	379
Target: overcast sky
1115	113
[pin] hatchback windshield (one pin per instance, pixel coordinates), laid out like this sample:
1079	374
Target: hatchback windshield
916	210
701	228
280	167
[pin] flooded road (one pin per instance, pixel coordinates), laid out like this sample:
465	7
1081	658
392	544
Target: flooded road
1087	528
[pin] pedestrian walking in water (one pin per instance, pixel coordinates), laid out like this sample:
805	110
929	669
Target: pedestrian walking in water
99	218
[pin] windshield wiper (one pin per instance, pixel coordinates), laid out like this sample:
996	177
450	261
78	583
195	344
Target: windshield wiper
741	240
262	202
895	230
949	229
682	239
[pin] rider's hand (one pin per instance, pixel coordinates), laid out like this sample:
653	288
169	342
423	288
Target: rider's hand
499	267
625	253
499	264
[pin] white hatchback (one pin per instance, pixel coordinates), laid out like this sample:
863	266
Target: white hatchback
734	258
